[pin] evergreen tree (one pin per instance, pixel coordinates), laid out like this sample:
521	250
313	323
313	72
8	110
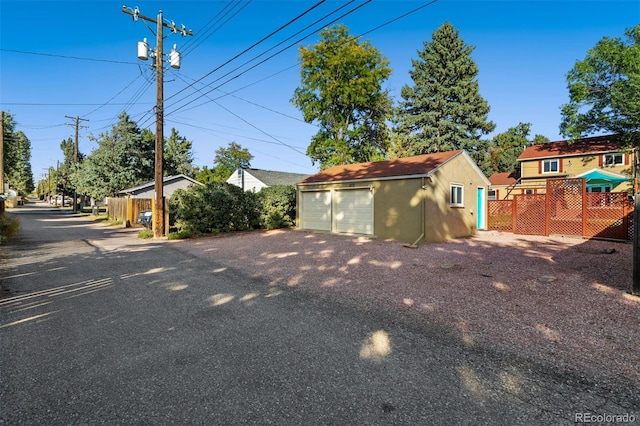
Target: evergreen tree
68	167
178	155
17	158
443	110
341	90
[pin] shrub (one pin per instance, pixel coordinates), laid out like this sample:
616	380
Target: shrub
180	235
216	207
278	206
8	228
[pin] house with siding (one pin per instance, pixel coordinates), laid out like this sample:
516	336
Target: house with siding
256	179
425	198
602	161
169	185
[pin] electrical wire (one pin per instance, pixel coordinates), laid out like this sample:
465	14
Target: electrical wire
67	57
252	46
264	60
202	36
260	130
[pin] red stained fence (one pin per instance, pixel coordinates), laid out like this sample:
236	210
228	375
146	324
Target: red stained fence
566	209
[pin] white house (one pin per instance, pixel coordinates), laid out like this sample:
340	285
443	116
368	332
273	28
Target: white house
256	179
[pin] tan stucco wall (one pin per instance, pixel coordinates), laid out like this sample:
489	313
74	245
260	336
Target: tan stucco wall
398	204
444	222
398	209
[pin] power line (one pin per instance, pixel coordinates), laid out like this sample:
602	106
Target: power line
251	47
270	57
266	59
197	41
67	57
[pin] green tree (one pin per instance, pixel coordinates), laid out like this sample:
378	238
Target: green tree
66	170
506	147
178	155
341	91
227	160
604	90
17	158
123	158
443	110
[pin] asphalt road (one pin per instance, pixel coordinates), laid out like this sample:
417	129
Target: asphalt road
99	327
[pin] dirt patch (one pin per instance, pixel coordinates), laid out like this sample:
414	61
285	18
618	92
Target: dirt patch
559	299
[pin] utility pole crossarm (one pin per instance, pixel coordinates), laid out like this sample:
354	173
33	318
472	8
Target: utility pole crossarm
75	158
135	13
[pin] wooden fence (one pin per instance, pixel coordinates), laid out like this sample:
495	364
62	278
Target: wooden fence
566	209
127	209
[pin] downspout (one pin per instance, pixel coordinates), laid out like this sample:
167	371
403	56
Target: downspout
422	218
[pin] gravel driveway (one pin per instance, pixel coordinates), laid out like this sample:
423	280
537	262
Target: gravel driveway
559	300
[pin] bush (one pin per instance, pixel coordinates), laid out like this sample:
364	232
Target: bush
278	206
180	235
145	234
216	207
8	228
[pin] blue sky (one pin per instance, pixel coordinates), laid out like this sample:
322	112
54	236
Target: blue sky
523	50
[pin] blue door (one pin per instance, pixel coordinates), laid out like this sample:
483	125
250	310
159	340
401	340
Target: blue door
480	209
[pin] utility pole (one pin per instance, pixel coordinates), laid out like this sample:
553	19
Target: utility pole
1	152
635	287
158	210
75	159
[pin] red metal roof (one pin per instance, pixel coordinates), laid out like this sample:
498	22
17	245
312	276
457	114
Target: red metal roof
408	166
595	145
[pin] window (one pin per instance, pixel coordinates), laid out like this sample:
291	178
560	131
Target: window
455	198
492	195
529	191
613	159
598	188
551	166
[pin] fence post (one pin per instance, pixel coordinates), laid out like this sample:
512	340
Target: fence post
514	213
583	196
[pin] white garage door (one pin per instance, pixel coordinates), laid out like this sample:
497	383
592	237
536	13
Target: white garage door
316	210
353	211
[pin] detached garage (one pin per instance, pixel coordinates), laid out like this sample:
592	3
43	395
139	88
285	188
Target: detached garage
432	197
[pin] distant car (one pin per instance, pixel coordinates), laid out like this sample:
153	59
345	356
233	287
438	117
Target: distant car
144	218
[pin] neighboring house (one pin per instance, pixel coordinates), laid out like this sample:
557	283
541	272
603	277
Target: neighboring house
169	185
502	185
601	160
256	179
432	197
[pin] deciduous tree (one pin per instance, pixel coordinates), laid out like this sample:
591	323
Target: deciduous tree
124	158
604	90
341	91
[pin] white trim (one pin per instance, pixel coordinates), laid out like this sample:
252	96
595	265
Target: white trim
460	203
550	160
604	171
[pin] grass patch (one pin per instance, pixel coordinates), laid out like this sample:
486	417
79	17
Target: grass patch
145	234
8	228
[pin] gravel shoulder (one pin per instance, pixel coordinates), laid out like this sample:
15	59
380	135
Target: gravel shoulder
558	300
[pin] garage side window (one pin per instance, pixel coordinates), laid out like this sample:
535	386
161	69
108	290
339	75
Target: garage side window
455	196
